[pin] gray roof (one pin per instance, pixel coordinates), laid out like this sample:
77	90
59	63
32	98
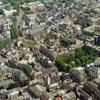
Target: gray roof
36	31
31	16
70	95
38	90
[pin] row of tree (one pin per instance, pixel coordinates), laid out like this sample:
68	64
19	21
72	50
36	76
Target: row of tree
66	42
47	40
4	43
88	33
18	84
14	30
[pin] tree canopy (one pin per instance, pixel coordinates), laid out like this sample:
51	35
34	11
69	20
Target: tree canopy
47	40
79	58
14	30
1	11
18	84
66	42
4	43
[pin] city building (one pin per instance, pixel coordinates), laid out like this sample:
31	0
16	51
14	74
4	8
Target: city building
78	74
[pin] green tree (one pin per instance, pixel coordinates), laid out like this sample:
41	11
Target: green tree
47	39
18	84
4	43
1	11
12	85
88	33
79	53
14	30
77	62
80	58
60	64
15	14
66	42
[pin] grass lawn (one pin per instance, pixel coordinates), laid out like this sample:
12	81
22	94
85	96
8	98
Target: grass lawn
28	42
